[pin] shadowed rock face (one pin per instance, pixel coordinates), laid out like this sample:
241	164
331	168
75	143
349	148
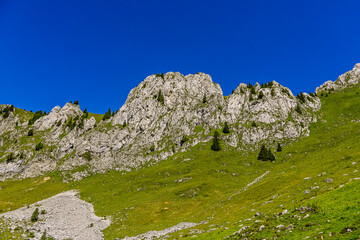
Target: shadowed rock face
148	127
64	216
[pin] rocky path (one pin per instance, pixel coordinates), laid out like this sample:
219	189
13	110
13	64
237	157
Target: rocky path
250	184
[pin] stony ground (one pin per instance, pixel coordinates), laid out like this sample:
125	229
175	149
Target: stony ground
61	216
158	234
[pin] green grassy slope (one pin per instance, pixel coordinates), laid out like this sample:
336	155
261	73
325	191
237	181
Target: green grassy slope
205	185
98	117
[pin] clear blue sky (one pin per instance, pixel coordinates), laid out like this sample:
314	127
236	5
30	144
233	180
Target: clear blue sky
52	52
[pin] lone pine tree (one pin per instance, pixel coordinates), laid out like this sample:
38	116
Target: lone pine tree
216	144
226	128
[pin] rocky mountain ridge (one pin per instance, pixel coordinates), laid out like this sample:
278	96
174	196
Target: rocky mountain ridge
347	79
164	114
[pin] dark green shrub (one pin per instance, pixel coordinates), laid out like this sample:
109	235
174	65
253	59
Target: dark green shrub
160	75
35	215
71	123
10	157
81	123
85	113
124	124
107	115
184	140
273	92
6	114
279	148
301	97
160	97
43	236
39	146
298	109
252	91
204	99
253	124
261	95
216	143
30	133
87	156
265	154
226	128
76	102
284	90
7	111
36	116
58	123
152	148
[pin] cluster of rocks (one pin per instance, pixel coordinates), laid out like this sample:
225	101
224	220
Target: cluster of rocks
164	114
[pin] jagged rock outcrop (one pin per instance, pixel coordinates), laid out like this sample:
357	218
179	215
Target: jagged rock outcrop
58	116
164	114
273	110
349	78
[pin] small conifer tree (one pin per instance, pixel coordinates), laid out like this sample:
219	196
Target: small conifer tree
226	128
279	148
184	140
272	92
36	116
6	114
39	146
107	115
204	99
35	215
261	95
270	156
85	112
30	133
301	97
262	153
265	154
160	97
10	157
152	148
216	144
252	91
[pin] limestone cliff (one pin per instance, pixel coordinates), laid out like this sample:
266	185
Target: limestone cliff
164	114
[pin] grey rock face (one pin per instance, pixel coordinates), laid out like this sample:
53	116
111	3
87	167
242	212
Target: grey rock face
347	79
164	114
57	115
